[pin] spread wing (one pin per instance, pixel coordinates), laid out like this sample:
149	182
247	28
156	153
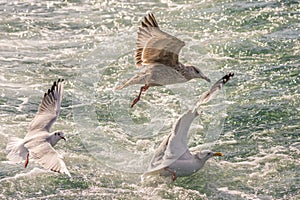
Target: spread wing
46	156
154	45
49	108
175	145
207	96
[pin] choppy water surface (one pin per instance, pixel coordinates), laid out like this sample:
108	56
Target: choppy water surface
254	121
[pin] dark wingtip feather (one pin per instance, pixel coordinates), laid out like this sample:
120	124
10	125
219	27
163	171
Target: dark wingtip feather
53	86
153	20
227	77
60	80
149	21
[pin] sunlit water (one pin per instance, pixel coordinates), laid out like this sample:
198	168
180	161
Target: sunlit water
254	121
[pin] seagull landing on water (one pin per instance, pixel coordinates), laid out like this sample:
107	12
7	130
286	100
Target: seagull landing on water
39	142
173	156
158	52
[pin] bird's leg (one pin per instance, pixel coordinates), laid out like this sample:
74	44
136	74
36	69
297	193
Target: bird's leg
143	89
26	161
173	173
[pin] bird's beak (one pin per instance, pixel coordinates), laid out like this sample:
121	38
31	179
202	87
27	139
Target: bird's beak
201	75
63	138
206	78
218	154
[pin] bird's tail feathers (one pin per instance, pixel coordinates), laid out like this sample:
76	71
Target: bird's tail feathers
122	85
16	150
134	80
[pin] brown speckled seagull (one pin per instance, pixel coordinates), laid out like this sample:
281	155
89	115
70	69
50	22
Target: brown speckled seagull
158	52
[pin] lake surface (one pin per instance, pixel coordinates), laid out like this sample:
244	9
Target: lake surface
254	120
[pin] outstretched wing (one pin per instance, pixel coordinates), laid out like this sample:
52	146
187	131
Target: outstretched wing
207	96
44	154
154	45
48	110
175	145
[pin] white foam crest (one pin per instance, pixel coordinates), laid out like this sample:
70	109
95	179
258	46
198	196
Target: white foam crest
33	172
261	164
243	195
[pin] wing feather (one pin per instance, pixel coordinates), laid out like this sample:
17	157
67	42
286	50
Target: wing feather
208	95
49	109
154	45
44	154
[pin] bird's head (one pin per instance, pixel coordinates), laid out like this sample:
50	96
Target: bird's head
196	73
206	154
56	136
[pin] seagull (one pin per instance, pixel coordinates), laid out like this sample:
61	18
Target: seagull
39	142
173	156
157	52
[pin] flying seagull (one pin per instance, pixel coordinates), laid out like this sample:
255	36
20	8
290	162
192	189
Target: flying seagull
39	142
158	52
173	156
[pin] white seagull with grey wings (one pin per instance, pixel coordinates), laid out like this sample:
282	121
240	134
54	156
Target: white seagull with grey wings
39	142
173	156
